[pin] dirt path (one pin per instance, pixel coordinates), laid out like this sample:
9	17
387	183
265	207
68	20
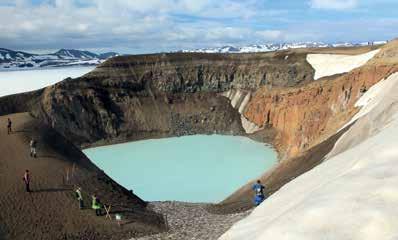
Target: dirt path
51	211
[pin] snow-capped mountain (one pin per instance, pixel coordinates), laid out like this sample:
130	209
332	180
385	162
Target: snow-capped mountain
71	53
10	59
276	47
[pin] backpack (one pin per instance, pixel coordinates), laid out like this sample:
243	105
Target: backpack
259	190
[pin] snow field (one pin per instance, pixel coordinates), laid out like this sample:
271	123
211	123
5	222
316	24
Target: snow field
331	64
22	81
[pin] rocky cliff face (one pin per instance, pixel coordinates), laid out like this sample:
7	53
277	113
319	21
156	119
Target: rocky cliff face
195	72
306	116
89	116
164	95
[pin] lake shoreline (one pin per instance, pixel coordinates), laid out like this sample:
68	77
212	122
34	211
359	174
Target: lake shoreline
192	221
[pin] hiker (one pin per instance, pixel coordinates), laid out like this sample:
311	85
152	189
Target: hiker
26	179
9	128
79	197
259	193
96	205
32	145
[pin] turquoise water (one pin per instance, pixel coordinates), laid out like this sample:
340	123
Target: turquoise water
199	168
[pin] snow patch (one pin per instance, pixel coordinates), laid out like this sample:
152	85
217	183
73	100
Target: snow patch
239	100
46	57
236	99
245	101
369	102
371	98
249	126
331	64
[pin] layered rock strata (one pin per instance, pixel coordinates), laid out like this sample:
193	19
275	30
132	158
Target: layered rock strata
136	97
306	116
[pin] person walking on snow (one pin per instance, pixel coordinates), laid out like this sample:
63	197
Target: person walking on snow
9	126
26	179
32	145
79	197
259	193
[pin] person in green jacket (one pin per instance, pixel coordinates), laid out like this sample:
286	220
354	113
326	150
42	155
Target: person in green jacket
96	205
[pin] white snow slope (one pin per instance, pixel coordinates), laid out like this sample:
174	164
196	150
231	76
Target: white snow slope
353	195
28	80
331	64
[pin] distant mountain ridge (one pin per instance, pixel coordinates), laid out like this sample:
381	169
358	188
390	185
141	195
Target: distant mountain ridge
15	60
10	59
276	47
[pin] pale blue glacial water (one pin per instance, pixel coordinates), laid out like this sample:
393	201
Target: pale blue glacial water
199	168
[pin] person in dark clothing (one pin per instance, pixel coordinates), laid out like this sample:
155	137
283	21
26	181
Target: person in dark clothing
9	126
259	193
33	145
26	179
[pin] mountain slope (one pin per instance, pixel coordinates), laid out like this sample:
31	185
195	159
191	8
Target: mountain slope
9	55
51	210
75	54
10	59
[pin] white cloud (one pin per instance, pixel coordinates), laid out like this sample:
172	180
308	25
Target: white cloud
160	25
138	24
334	4
270	34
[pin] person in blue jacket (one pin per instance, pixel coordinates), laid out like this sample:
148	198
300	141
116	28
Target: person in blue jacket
259	193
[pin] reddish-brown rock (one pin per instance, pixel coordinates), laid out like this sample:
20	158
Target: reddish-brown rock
307	115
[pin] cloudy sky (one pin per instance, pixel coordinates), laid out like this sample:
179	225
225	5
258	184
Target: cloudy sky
140	26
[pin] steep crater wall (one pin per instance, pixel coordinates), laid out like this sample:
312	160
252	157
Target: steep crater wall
136	97
306	116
